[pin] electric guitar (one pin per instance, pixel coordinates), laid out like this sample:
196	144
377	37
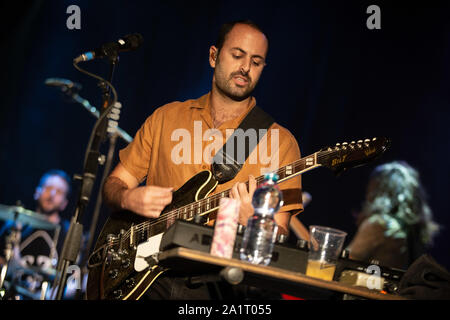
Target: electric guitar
124	262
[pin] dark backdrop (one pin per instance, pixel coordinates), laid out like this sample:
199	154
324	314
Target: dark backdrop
329	79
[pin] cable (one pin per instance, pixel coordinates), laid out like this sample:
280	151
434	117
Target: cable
103	114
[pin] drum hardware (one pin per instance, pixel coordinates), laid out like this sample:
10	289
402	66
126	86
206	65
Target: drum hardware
12	242
21	217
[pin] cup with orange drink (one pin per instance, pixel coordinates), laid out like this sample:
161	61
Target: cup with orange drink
325	245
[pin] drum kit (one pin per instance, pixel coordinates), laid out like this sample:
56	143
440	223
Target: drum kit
18	280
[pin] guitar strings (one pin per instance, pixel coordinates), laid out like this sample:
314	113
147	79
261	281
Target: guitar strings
173	214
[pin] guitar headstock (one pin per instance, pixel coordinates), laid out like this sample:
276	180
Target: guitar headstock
348	155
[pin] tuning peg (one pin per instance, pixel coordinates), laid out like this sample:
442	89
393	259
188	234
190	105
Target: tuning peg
359	144
366	140
374	139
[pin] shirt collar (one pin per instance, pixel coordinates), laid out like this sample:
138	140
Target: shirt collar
203	104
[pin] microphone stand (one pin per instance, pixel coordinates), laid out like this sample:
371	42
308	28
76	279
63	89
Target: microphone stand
85	256
118	132
72	242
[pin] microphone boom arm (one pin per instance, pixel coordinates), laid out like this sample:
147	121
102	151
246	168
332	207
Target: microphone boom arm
92	110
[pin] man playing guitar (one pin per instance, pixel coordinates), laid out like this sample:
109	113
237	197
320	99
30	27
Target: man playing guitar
238	59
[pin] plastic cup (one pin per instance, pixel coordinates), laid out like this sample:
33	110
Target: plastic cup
325	246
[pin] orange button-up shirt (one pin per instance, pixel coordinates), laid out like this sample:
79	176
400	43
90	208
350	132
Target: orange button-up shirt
174	144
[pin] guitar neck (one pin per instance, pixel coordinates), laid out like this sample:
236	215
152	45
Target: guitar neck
337	158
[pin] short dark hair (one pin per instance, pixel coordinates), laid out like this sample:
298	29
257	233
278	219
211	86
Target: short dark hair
59	173
227	27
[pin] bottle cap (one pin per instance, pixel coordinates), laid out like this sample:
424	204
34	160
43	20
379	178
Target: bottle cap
271	176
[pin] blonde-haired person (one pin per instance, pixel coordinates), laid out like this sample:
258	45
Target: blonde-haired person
395	225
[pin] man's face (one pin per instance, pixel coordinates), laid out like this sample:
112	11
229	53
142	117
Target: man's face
240	62
52	195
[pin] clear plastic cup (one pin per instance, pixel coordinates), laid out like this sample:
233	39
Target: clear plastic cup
325	245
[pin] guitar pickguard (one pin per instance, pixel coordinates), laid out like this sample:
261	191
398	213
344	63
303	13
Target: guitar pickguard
145	251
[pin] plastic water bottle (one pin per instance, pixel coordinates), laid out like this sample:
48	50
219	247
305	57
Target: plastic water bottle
261	231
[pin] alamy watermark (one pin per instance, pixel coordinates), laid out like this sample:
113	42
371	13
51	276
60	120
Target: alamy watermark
374	20
374	281
74	278
74	20
189	150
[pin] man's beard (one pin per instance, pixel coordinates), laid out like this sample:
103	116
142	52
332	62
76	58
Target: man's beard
225	85
46	211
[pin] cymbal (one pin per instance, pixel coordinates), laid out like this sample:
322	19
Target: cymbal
26	217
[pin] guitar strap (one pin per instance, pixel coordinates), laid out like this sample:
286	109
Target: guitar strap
229	160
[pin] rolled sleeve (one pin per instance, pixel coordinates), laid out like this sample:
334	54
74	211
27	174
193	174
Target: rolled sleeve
136	156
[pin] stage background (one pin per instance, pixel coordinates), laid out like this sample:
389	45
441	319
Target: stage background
329	79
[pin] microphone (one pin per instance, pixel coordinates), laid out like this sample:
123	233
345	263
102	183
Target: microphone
63	84
127	43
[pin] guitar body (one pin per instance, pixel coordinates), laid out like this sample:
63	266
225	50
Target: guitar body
112	273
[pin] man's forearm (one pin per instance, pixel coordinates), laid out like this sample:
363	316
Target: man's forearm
113	191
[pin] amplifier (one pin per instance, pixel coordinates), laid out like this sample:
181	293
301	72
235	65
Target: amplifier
199	237
286	256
